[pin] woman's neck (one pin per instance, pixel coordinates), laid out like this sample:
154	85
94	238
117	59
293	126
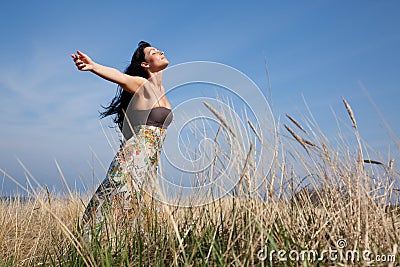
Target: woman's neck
156	78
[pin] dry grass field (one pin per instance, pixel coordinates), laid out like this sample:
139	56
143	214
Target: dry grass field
342	212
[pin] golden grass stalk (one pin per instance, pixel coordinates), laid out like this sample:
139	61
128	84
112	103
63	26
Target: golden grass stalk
296	136
255	131
220	118
350	112
296	123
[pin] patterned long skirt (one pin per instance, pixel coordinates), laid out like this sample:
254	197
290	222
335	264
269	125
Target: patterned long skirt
130	181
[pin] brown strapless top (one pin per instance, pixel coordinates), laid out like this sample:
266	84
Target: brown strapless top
158	116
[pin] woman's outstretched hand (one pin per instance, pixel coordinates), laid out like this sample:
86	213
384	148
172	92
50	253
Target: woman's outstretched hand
82	61
127	82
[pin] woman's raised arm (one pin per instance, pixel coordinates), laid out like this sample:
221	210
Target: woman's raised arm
130	83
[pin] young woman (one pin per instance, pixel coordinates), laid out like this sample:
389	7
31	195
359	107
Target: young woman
142	113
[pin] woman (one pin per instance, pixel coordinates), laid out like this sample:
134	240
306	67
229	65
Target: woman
142	113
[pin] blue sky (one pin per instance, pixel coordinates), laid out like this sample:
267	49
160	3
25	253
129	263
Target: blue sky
316	50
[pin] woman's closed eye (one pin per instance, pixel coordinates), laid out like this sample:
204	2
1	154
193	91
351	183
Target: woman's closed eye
153	52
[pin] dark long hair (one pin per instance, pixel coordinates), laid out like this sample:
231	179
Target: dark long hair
122	98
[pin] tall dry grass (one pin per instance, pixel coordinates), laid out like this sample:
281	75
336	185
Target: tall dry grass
316	197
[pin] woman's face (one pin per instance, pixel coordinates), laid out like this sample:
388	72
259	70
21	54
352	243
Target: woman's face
155	59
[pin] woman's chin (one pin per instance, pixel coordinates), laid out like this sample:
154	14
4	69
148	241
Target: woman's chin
164	65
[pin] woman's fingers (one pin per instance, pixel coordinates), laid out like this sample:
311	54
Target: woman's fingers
75	58
81	60
80	53
79	64
82	56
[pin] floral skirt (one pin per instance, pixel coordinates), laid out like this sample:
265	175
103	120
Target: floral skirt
130	181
